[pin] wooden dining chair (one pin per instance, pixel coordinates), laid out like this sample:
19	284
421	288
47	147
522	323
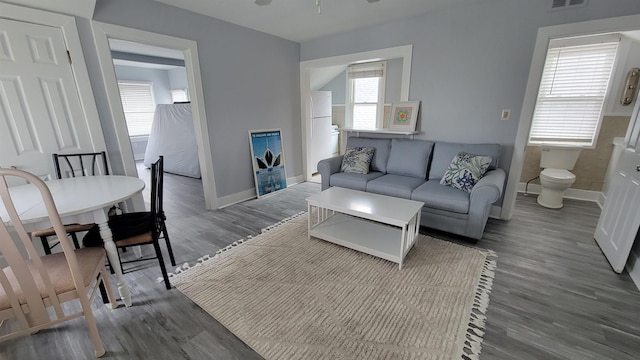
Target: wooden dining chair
32	287
74	165
141	228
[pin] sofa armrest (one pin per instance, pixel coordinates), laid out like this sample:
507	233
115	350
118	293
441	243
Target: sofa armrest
329	166
490	187
486	191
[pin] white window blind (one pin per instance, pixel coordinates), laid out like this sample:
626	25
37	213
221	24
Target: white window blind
139	106
572	92
366	89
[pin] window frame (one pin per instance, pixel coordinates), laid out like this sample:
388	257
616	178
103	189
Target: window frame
137	82
379	124
186	94
606	98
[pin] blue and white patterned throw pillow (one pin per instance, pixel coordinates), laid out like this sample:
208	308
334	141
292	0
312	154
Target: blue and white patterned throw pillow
357	160
465	171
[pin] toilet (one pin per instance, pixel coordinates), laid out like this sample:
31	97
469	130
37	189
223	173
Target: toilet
555	177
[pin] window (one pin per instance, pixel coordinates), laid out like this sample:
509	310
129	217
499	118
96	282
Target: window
179	95
138	105
572	93
365	86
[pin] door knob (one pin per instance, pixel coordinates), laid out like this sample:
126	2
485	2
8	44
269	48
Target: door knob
637	167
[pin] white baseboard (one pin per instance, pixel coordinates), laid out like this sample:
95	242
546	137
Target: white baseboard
295	180
236	198
251	193
577	194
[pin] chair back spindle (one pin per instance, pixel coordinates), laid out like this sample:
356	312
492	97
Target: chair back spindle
80	164
157	211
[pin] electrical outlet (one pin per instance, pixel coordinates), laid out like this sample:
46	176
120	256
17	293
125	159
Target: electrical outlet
506	113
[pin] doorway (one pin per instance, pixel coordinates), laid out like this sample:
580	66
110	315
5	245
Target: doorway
153	86
606	126
315	74
103	33
604	26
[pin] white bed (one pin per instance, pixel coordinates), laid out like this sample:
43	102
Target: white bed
172	136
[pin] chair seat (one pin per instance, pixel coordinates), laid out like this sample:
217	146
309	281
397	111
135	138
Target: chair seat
58	269
71	228
142	239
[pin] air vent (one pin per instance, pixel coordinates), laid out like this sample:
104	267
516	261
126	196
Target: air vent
557	4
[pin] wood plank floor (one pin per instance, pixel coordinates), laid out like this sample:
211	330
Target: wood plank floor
554	294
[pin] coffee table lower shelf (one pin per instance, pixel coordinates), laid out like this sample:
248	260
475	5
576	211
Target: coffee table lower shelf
366	236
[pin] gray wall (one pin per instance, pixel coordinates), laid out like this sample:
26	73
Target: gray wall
178	78
250	79
470	61
338	88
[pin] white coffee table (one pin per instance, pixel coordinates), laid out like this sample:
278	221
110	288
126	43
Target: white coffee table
382	226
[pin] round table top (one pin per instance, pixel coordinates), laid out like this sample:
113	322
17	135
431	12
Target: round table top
73	196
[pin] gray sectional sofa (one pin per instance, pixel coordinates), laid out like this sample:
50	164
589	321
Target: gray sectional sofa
412	169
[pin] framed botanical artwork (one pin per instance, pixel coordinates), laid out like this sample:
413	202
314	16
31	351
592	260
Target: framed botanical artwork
404	115
267	156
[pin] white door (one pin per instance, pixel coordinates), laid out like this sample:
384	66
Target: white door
620	218
40	110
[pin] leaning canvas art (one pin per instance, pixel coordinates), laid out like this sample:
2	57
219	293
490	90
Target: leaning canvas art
268	161
404	115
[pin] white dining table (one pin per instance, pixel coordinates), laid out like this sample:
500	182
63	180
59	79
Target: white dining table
85	199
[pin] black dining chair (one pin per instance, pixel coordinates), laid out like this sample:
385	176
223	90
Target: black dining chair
73	165
141	228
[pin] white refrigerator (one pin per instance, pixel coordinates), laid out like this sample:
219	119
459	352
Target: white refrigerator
320	147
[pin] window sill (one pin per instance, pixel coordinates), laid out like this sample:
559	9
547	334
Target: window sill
380	131
139	138
562	145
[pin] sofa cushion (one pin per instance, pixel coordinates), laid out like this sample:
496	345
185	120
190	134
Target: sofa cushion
357	160
409	157
380	156
441	197
394	185
353	181
444	152
465	171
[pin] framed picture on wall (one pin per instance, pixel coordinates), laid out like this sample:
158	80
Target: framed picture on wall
404	115
267	156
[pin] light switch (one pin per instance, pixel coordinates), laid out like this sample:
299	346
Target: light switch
506	113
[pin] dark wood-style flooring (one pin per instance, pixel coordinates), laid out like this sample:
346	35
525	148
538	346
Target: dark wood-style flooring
554	294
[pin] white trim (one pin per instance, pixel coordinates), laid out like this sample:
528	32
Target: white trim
623	23
245	195
238	197
405	52
82	8
101	33
69	29
295	180
575	194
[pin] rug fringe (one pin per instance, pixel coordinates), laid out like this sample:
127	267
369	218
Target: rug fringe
201	260
477	318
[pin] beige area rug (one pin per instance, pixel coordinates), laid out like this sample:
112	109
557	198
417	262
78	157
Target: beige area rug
288	297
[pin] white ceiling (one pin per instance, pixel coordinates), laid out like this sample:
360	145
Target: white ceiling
298	20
